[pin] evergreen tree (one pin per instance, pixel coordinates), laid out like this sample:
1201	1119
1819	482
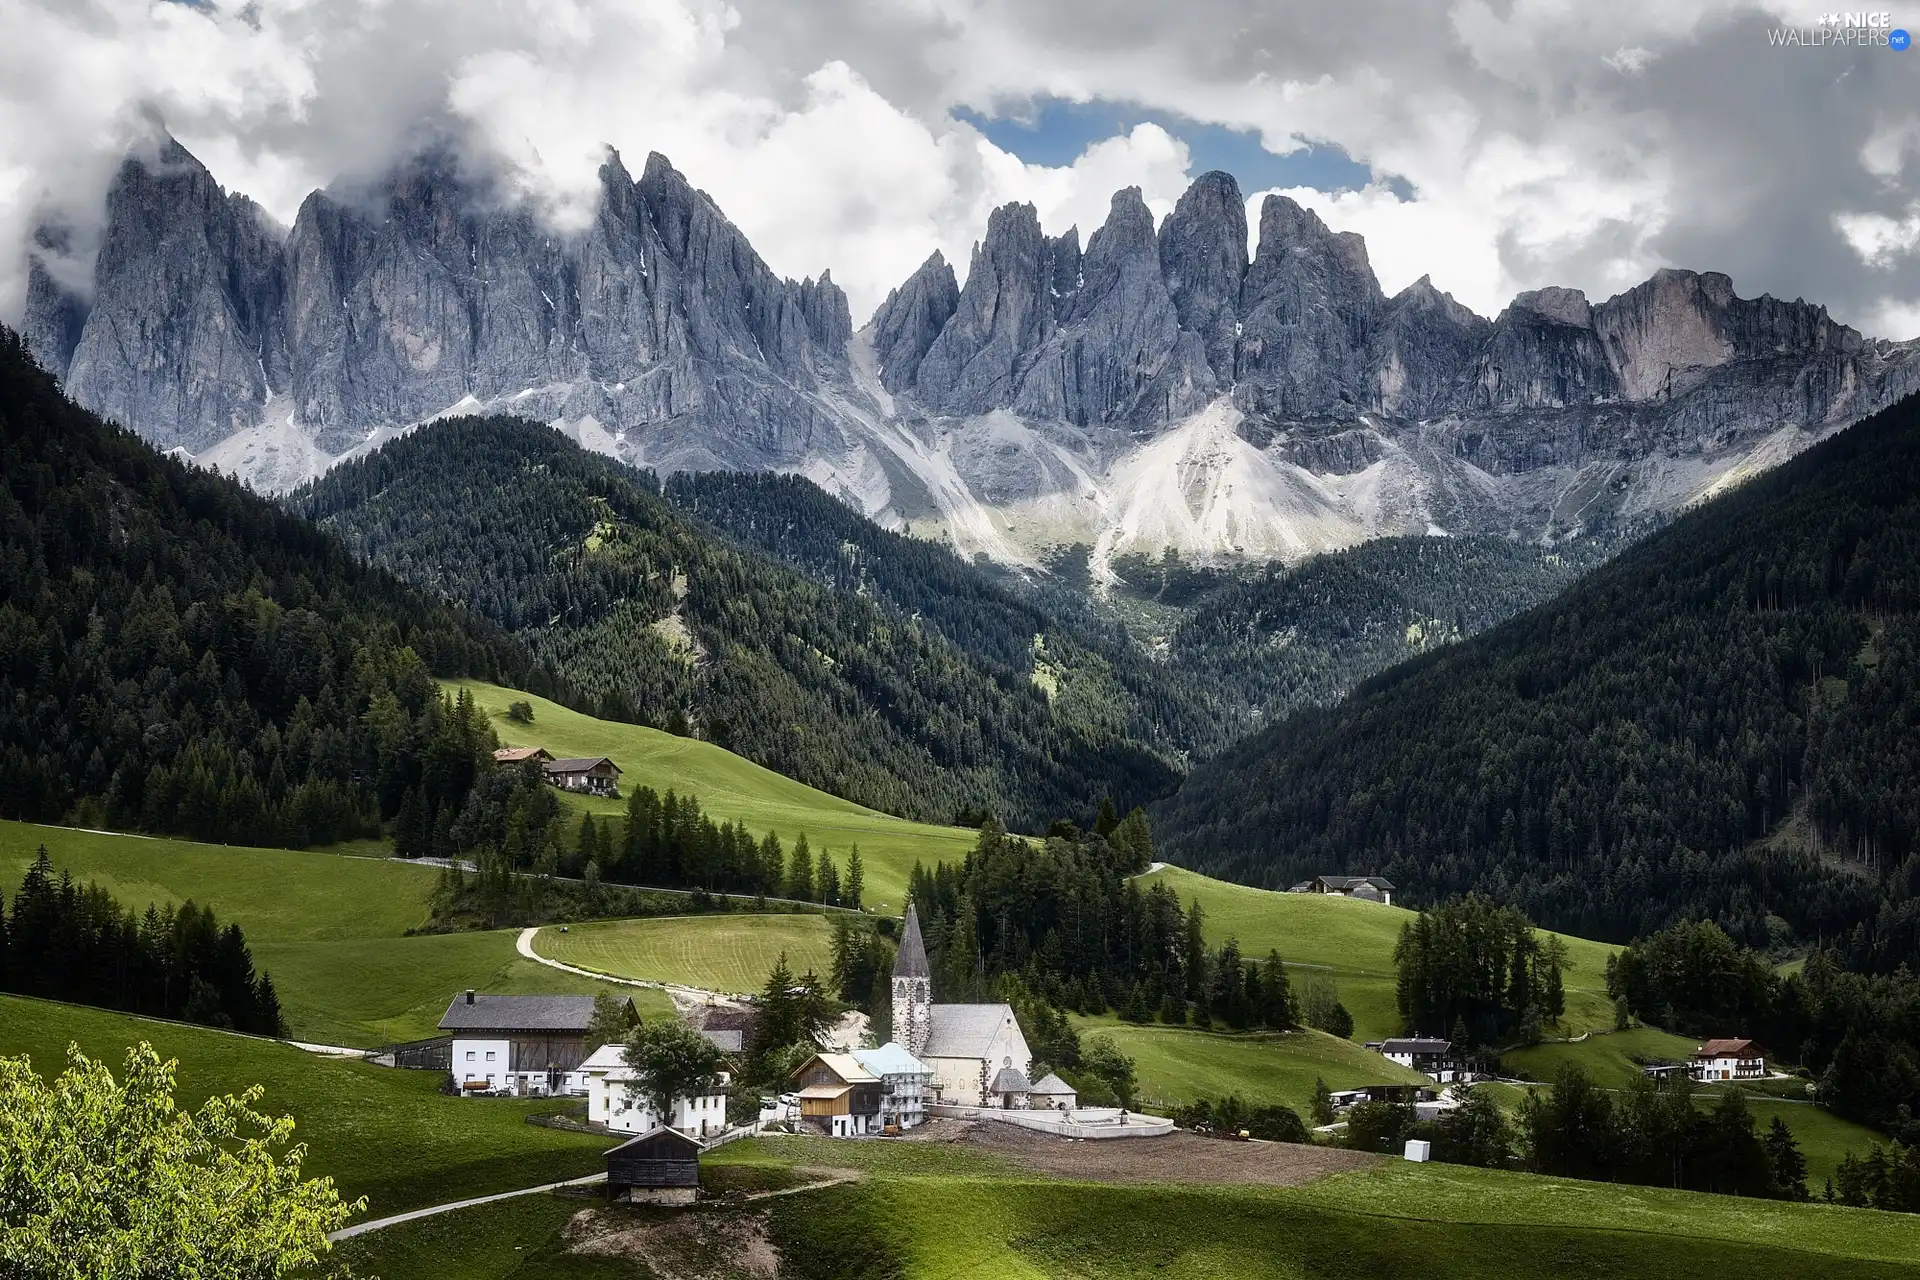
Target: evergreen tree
1788	1166
856	879
827	881
800	873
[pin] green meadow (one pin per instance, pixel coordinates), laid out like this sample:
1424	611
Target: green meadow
1612	1058
331	929
925	1211
1353	941
388	1135
1178	1065
720	953
730	788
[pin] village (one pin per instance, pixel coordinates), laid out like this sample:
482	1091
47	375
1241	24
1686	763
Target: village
948	1061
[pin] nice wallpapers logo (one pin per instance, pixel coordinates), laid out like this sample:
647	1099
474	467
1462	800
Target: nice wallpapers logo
1863	30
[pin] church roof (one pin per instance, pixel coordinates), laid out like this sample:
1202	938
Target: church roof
912	960
964	1030
1052	1086
1011	1080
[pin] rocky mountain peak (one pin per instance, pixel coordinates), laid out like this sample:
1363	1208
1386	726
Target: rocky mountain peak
911	318
1203	255
1003	313
1562	306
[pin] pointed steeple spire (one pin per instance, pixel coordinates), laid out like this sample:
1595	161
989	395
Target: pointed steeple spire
912	960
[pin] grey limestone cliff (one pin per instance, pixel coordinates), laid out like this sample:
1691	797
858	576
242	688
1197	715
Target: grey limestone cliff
1049	377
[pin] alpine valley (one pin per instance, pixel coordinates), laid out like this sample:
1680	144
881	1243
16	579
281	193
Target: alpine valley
1155	388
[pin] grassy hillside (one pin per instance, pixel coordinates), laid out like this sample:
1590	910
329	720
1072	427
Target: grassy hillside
330	929
1177	1065
731	788
948	1213
721	953
389	1135
1354	942
1614	1059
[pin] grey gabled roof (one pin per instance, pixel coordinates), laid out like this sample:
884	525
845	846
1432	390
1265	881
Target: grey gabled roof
964	1030
579	764
1052	1086
1011	1080
912	960
657	1132
1417	1044
1349	882
519	1013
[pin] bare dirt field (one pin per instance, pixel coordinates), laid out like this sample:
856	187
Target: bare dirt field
1177	1157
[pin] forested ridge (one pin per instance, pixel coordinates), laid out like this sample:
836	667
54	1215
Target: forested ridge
1720	723
1273	640
1098	675
664	620
180	655
1247	645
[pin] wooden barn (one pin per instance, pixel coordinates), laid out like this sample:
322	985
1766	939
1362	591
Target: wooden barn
838	1096
594	775
658	1167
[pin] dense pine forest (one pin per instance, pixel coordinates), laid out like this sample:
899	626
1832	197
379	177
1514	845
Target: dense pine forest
1095	671
180	655
663	620
1718	724
1284	637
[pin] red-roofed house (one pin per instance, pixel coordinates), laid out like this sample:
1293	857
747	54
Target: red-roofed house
1730	1060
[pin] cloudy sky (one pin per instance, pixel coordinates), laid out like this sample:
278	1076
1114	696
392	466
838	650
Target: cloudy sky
1497	145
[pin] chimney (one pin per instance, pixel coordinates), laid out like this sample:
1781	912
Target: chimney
469	995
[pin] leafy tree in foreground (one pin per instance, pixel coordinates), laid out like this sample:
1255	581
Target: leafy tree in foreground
671	1061
108	1178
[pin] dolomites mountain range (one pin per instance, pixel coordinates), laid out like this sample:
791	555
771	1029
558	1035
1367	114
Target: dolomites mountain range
1155	388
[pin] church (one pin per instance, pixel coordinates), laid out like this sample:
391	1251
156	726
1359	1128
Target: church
976	1053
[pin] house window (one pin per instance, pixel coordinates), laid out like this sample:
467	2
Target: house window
469	1055
489	1055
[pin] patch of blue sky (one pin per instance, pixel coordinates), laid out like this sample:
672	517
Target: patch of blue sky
1054	132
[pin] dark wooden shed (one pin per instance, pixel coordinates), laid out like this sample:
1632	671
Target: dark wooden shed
661	1166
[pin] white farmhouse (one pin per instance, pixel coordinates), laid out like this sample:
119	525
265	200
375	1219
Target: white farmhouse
966	1046
1422	1053
1729	1060
522	1045
611	1102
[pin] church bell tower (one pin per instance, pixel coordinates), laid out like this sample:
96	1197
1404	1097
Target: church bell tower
912	989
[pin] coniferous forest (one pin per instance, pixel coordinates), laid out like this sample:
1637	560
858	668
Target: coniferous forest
1717	724
179	655
63	941
664	621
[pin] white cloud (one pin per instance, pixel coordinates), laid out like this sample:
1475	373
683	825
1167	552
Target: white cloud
1547	141
1880	240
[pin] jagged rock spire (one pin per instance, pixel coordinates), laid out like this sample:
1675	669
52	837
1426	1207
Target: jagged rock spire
912	959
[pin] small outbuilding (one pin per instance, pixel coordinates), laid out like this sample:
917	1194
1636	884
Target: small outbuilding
1051	1093
658	1167
1011	1089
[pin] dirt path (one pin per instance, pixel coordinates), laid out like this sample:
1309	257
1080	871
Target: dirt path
1177	1157
683	996
361	1228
